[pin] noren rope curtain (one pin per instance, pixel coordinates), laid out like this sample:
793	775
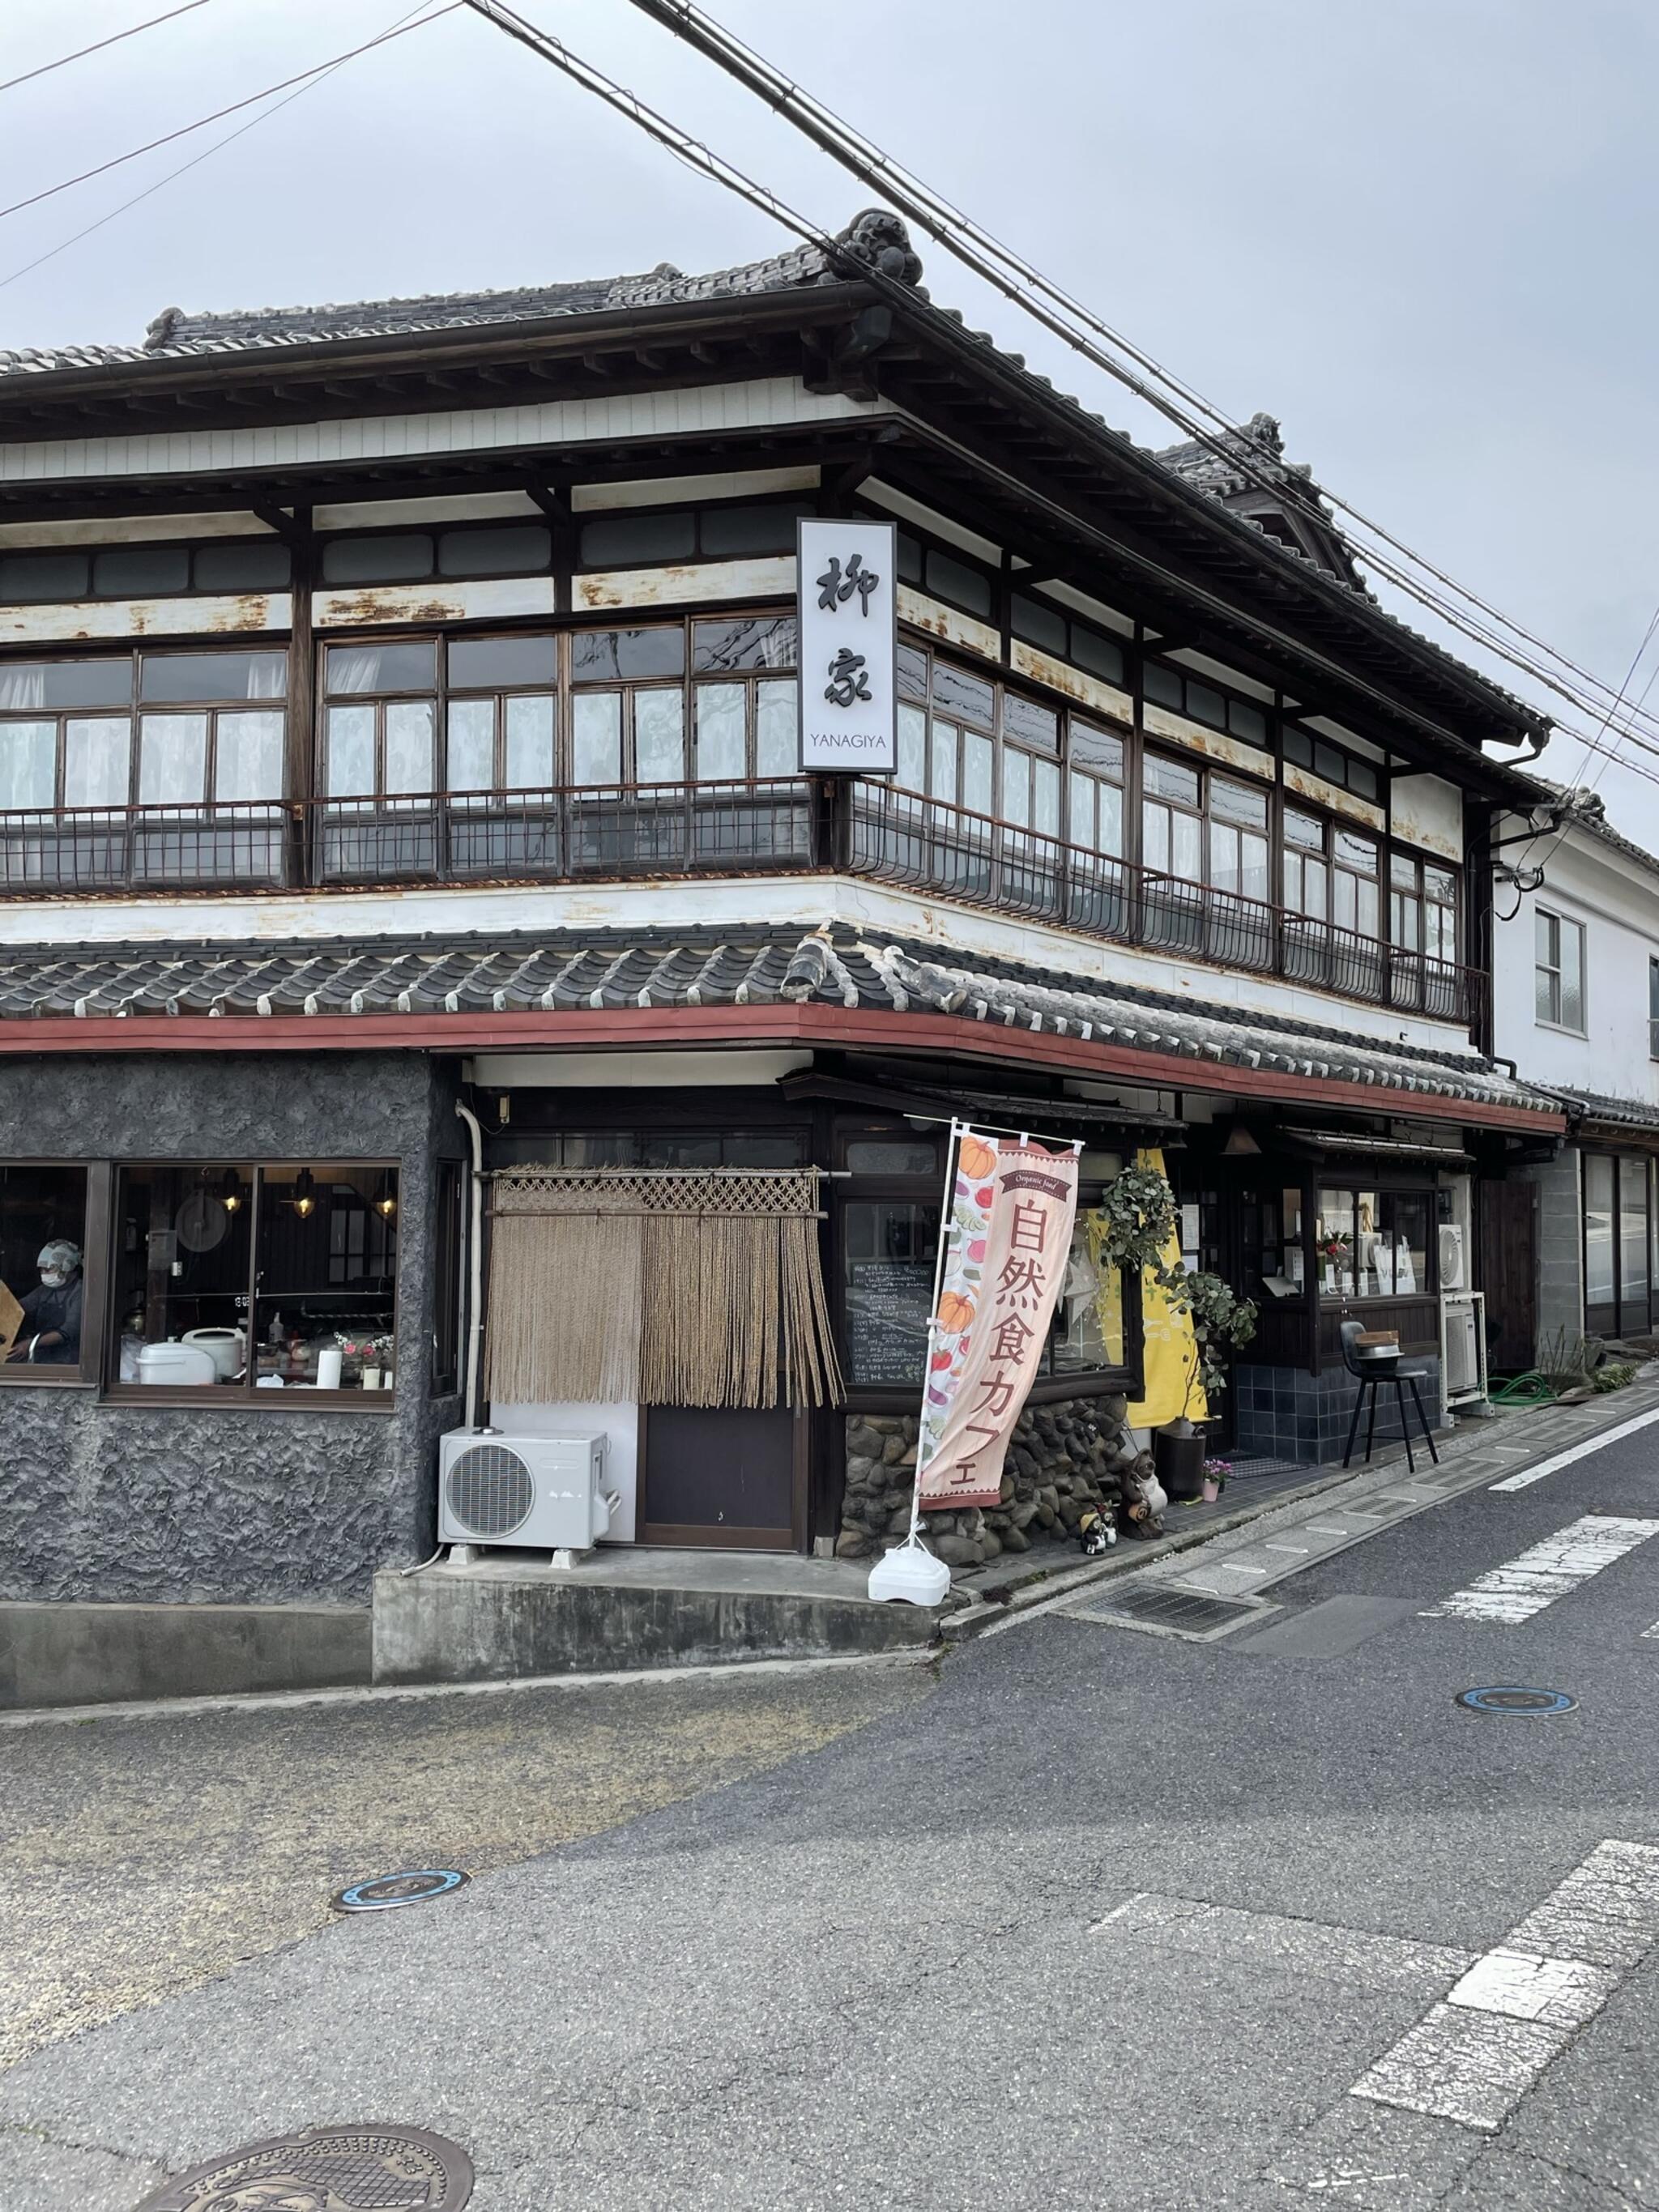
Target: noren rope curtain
658	1287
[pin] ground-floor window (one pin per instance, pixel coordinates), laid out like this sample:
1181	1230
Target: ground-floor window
43	1217
1618	1244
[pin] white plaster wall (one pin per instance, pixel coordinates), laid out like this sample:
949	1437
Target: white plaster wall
1617	900
1428	812
619	1424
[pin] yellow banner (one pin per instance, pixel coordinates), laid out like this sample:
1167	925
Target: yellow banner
1171	1347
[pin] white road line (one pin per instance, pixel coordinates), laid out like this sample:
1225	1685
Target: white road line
1348	1955
1524	1586
1654	1631
1474	2057
1596	1443
1302	1548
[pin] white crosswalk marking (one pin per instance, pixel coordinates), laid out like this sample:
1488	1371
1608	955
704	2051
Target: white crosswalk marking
1524	1586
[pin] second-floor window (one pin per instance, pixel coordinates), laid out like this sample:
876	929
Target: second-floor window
1558	970
142	729
1422	908
1653	1010
1202	828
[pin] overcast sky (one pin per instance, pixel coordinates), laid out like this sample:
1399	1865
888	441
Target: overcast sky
1419	232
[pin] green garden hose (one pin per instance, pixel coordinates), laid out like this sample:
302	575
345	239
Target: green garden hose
1532	1388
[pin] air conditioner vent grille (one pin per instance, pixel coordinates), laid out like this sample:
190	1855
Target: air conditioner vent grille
489	1490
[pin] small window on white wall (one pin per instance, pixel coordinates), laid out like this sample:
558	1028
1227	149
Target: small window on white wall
1653	1010
1559	969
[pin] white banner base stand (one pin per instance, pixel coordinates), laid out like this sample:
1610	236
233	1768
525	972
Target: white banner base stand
910	1572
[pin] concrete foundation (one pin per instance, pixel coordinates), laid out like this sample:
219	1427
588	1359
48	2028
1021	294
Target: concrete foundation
617	1612
90	1655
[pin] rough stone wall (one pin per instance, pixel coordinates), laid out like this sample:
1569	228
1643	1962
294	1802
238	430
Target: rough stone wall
229	1503
1063	1459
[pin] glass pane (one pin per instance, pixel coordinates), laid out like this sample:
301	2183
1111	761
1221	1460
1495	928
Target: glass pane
392	560
529	743
1016	786
1205	705
327	1263
1547	997
888	1248
182	1275
1397	1256
909	557
97	762
892	1156
667	535
1247	722
913	748
912	672
1109	826
1223	857
1598	1230
478	664
1297	746
720	648
351	752
37	576
1402	873
1038	624
686	1151
1079	1341
24	683
1406	918
1334	1234
777	729
1545	937
942	780
42	1209
1254	879
187	677
1633	1243
1081	811
1098	749
954	580
1155	839
722	749
261	565
1330	763
522	550
1306	830
1572	976
610	656
730	531
1098	654
1185	832
1045	798
471	747
1162	685
1440	885
1238	802
964	698
28	763
358	668
171	759
133	571
249	756
596	737
1367	921
1362	779
978	773
659	735
409	725
750	1148
1170	780
1032	725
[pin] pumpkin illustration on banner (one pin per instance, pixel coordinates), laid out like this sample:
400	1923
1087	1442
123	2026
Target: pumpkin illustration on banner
975	1158
971	1197
955	1313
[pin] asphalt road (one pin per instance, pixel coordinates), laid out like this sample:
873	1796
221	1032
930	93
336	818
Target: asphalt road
1106	1920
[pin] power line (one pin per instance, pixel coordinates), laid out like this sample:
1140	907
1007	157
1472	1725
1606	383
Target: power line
318	69
1018	280
196	160
98	46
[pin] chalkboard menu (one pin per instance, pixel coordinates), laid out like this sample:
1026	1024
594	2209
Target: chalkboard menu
887	1303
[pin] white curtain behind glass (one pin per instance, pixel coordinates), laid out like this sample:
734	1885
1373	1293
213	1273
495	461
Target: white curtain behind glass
28	763
22	684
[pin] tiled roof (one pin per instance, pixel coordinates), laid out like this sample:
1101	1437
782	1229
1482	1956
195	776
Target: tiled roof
1248	462
872	239
1596	1106
570	970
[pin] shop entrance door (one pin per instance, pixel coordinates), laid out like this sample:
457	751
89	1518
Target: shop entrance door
1509	1272
728	1478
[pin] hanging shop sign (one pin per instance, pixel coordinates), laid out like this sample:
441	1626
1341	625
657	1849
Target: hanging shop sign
847	576
1007	1241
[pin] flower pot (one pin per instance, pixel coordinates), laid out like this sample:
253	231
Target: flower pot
371	1378
1212	1490
1179	1462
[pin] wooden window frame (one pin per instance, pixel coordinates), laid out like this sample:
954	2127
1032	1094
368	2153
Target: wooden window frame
83	1375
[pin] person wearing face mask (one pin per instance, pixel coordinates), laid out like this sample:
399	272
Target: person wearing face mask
50	1333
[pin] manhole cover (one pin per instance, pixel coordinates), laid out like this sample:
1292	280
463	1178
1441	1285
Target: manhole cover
387	1891
366	2169
1511	1698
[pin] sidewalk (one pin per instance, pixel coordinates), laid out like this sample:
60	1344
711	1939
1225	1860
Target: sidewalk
1248	1545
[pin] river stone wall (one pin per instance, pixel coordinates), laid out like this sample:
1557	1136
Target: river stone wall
1064	1459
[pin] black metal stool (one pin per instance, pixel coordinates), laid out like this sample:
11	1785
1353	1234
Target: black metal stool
1371	1372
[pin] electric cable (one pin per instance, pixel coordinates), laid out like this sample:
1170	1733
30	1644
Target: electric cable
98	46
318	69
196	160
944	220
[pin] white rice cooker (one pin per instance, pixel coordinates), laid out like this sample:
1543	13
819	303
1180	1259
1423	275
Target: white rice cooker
172	1363
226	1347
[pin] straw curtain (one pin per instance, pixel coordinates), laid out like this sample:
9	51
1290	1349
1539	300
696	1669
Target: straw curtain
666	1289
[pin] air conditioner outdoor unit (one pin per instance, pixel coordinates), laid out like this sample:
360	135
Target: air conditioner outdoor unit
543	1494
1451	1256
1462	1347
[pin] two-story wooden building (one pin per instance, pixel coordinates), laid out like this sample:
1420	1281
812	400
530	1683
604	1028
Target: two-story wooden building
397	709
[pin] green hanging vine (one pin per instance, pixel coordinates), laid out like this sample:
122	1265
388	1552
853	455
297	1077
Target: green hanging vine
1134	1222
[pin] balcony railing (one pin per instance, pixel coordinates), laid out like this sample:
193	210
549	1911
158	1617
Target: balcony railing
590	833
900	838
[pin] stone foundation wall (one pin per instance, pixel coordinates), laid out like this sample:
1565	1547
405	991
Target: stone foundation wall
1064	1459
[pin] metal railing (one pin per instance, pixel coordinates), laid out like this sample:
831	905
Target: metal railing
617	832
899	837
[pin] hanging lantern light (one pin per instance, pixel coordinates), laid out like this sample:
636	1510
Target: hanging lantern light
305	1197
230	1192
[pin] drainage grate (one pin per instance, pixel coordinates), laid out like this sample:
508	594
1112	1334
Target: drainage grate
387	1891
365	2169
1510	1698
1170	1611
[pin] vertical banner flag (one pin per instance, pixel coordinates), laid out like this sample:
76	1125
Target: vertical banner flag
1008	1239
846	581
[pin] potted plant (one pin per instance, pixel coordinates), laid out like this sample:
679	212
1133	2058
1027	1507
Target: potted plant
1216	1472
